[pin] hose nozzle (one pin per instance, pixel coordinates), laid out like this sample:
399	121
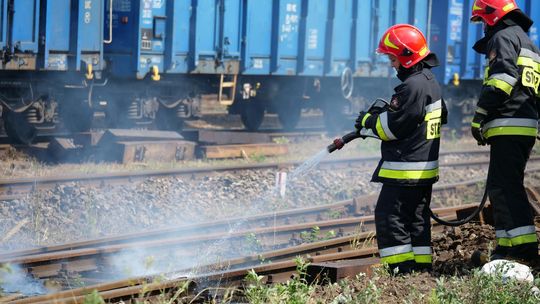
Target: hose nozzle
340	142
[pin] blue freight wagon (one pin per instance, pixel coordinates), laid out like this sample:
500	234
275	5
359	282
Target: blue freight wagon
51	50
452	37
143	62
259	56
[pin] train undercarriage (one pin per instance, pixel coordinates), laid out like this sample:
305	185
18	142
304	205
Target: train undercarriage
32	105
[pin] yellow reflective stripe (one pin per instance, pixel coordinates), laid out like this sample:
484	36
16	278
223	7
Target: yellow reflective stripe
408	174
476	7
486	74
423	51
389	43
496	131
504	242
526	61
475	124
422	258
508	7
499	84
434	114
364	119
524	239
398	258
380	130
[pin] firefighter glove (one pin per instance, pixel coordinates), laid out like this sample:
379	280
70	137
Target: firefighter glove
364	119
476	127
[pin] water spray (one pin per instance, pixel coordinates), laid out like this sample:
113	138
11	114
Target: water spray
339	143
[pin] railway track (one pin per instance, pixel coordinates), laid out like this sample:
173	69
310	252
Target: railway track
275	265
51	261
92	257
360	206
17	188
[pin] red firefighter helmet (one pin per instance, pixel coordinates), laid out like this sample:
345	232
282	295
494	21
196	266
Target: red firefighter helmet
406	42
491	11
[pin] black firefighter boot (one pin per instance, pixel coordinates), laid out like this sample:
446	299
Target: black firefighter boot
479	258
524	253
402	268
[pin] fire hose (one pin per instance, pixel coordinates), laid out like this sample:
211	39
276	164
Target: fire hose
341	142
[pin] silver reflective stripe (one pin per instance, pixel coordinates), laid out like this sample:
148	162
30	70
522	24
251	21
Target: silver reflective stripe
422	250
384	123
528	53
384	252
434	106
511	122
504	77
521	231
368	132
410	166
481	111
501	234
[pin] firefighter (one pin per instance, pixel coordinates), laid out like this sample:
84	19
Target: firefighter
506	118
410	130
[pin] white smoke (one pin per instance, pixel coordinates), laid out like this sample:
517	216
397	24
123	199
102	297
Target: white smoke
13	279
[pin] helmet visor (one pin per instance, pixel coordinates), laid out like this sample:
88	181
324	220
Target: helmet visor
477	19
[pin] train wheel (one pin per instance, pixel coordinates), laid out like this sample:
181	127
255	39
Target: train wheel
116	115
76	115
289	114
167	119
252	115
18	128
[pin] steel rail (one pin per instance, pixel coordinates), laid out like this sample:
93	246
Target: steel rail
281	267
91	259
354	206
317	213
16	188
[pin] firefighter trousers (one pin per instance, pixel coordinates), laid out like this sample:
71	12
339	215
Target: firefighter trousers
513	216
403	227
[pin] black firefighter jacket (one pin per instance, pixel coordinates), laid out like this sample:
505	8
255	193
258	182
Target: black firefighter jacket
509	93
410	130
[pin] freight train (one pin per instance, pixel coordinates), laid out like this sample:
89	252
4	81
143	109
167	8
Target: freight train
147	62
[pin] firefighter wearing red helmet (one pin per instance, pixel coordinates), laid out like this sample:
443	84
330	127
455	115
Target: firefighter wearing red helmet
506	118
410	132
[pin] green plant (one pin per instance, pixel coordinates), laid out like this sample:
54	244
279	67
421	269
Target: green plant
310	236
371	294
255	292
334	214
93	298
483	288
294	291
330	235
252	243
443	293
258	158
281	140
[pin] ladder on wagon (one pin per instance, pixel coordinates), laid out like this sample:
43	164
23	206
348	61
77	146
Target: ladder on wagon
227	84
